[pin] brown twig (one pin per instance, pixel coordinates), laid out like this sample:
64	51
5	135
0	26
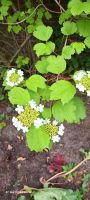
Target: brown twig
17	52
52	11
61	8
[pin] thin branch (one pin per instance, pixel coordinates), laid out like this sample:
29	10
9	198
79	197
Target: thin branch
66	41
76	167
17	52
52	11
61	8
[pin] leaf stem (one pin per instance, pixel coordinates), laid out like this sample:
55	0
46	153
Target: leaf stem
62	174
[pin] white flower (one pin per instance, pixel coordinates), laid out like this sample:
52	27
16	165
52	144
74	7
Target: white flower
10	83
17	123
20	72
9	74
55	138
32	103
80	87
46	121
11	71
19	109
19	126
24	129
79	75
40	108
88	93
55	122
38	122
61	130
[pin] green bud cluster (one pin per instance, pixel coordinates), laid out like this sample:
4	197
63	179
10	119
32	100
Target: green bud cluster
14	77
28	116
85	81
51	129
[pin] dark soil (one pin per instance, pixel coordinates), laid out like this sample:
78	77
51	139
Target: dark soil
14	174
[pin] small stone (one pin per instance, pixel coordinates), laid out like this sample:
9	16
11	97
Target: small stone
9	147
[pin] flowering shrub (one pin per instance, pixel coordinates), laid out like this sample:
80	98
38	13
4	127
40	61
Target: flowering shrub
42	103
28	119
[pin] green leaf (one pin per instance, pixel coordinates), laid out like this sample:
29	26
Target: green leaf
6	2
35	81
63	90
46	113
87	153
2	125
30	28
72	112
86	7
1	95
87	42
22	61
48	15
44	49
38	139
64	112
38	22
41	65
69	28
35	96
80	109
43	32
45	93
19	96
64	16
67	52
78	46
76	7
21	198
2	116
83	27
56	65
54	193
85	182
16	29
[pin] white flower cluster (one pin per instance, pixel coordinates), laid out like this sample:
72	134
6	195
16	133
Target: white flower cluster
19	109
55	129
14	77
56	138
82	80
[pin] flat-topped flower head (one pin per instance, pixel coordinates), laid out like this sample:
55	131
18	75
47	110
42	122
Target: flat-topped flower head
54	130
28	115
14	77
82	80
